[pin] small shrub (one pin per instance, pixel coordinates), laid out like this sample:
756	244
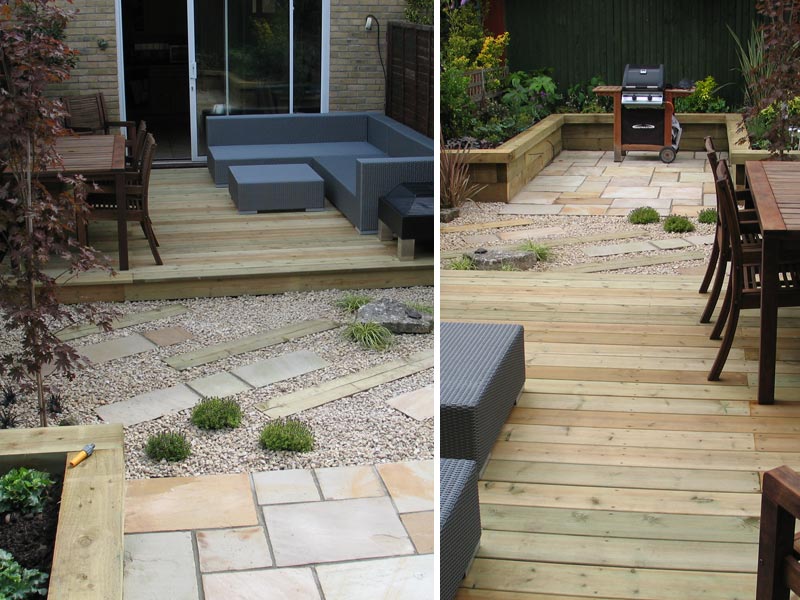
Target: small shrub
55	403
17	582
288	435
541	251
216	413
352	302
707	216
9	396
168	445
643	215
462	264
370	335
677	224
24	490
420	307
7	417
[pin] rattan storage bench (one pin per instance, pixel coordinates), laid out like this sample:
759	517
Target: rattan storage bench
460	522
256	188
482	374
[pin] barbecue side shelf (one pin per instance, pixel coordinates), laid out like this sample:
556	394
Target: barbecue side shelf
615	91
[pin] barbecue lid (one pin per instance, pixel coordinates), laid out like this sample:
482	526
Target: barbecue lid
647	77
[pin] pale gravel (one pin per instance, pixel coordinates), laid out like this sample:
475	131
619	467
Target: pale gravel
358	430
576	226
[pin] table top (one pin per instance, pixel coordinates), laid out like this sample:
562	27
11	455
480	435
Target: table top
775	186
90	154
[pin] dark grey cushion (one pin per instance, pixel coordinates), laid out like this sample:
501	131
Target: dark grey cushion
276	129
341	168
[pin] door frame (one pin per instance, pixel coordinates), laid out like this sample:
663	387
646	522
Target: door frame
325	66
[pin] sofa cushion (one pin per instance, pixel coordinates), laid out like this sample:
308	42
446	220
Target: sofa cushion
281	129
341	168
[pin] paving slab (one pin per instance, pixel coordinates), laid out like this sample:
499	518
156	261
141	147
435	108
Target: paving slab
670	244
181	503
554	183
417	404
219	385
682	193
149	406
526	197
632	180
479	240
584	170
341	483
687	210
637	202
265	372
700	240
527	234
585	210
410	484
168	336
530	209
237	549
335	530
404	578
420	527
592	200
279	487
271	584
593	186
616	191
614	249
117	348
159	565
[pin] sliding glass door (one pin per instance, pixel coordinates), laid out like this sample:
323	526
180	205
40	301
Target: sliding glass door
254	57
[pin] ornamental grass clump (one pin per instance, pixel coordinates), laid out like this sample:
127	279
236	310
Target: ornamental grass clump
420	307
677	224
541	251
465	263
370	335
287	435
352	302
171	446
707	216
643	215
24	490
216	413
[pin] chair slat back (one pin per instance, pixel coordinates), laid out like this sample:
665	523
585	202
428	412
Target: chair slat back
727	212
711	153
138	151
148	155
86	113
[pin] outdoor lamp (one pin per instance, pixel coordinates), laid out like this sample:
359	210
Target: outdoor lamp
370	20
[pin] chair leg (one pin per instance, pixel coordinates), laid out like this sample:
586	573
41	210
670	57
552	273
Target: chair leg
712	263
722	267
727	342
151	239
152	231
724	312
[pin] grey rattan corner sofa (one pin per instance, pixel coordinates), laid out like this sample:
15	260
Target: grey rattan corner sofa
360	156
459	522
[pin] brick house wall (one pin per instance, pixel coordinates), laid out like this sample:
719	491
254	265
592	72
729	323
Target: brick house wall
356	77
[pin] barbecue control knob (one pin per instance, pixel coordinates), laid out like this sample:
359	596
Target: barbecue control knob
650	97
634	98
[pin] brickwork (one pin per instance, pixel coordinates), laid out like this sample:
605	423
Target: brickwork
357	81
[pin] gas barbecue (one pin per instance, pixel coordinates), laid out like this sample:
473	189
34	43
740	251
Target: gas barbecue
644	116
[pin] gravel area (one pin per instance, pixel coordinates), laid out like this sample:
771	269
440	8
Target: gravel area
575	226
360	429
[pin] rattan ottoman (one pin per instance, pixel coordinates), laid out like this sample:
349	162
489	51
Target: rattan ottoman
460	522
256	188
482	374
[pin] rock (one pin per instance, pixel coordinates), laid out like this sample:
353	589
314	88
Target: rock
69	420
395	316
494	258
448	214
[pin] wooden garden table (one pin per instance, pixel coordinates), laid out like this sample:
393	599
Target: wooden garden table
775	187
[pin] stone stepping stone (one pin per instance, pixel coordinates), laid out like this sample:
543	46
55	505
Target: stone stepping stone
489	225
671	244
265	372
117	348
168	336
219	385
527	234
249	344
701	240
149	406
643	261
619	249
311	397
146	316
417	404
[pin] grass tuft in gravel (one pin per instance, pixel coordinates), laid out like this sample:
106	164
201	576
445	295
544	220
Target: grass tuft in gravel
464	263
643	215
372	336
216	413
509	267
707	216
420	307
171	446
541	251
352	302
287	435
678	224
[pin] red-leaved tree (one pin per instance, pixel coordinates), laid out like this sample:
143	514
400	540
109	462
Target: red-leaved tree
37	221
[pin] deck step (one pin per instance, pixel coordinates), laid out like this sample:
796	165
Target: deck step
311	397
146	316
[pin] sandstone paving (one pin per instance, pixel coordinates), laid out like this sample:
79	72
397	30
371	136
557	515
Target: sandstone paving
293	485
238	549
417	404
410	484
149	405
341	483
168	336
420	527
272	584
404	578
159	565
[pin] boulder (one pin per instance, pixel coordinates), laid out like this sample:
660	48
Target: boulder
448	214
494	258
395	316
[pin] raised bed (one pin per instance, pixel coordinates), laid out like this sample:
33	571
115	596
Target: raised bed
88	553
739	150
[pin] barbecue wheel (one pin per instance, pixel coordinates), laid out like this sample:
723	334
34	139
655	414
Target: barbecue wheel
667	154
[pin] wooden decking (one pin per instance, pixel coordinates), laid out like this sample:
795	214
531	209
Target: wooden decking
622	472
211	250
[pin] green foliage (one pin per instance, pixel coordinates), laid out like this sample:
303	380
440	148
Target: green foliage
18	583
704	99
420	307
288	435
372	336
465	35
532	94
509	267
458	110
216	413
752	64
677	224
352	302
580	98
419	11
462	264
707	216
541	251
643	215
171	446
24	490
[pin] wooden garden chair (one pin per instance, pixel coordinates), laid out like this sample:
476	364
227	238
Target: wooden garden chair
103	204
744	283
87	115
